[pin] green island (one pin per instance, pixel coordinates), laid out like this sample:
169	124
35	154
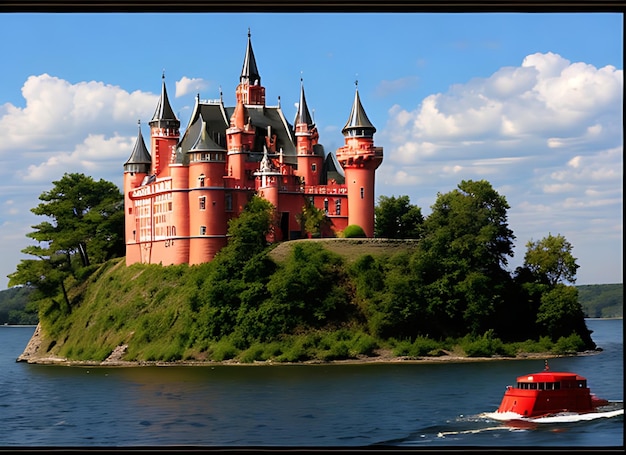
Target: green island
424	289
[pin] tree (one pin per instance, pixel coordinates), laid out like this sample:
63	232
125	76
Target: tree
561	314
314	221
86	222
82	211
396	218
550	260
462	255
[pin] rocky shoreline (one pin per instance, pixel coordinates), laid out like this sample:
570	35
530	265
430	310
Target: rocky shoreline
33	355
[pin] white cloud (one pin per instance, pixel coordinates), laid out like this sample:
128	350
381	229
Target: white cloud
84	127
547	134
188	85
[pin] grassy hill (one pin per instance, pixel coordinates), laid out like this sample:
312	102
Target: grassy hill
271	312
348	249
602	300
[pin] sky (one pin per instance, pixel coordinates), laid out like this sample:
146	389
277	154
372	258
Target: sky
530	102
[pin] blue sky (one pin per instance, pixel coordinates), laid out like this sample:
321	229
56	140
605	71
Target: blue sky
530	102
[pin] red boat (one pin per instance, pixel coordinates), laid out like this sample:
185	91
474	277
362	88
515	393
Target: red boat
548	392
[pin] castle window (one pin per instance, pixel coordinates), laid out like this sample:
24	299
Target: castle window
202	202
338	207
326	205
362	192
201	180
314	167
202	230
229	202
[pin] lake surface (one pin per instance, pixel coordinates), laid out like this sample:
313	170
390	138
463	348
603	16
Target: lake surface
407	405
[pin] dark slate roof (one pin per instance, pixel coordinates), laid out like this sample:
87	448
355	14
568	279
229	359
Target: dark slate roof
250	72
332	171
358	119
164	109
303	115
140	154
204	143
213	116
217	119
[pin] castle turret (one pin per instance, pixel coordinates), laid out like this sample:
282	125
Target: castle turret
268	179
250	90
207	223
310	157
360	159
164	132
136	169
240	141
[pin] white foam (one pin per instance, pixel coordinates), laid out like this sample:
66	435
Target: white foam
557	418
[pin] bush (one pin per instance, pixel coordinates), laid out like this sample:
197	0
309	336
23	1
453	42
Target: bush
338	351
569	345
420	347
362	344
223	350
354	232
253	353
486	346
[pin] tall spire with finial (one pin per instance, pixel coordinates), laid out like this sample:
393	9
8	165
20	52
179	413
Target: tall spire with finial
250	72
164	111
164	132
358	124
250	90
303	115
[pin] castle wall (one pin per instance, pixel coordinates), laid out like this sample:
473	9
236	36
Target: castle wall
361	198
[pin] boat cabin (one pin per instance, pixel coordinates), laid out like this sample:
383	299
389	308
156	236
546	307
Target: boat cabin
551	381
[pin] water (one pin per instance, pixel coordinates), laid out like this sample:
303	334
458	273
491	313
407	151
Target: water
407	405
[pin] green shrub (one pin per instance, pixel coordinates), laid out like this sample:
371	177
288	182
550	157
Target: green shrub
223	350
353	232
486	346
253	353
362	344
569	345
338	351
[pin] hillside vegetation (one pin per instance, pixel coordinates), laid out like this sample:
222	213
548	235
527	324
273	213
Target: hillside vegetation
597	300
446	291
162	313
602	300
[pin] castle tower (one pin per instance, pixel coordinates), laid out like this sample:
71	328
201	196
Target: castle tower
310	161
250	90
207	223
360	159
136	169
268	178
164	133
239	140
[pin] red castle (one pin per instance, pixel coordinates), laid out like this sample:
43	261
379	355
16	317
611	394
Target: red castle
178	198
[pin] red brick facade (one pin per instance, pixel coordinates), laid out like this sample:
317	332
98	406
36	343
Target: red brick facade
180	195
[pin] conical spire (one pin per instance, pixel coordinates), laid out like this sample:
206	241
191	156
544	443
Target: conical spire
204	143
240	115
303	115
250	72
358	124
164	110
139	160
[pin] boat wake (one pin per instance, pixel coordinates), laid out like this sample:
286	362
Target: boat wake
613	409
